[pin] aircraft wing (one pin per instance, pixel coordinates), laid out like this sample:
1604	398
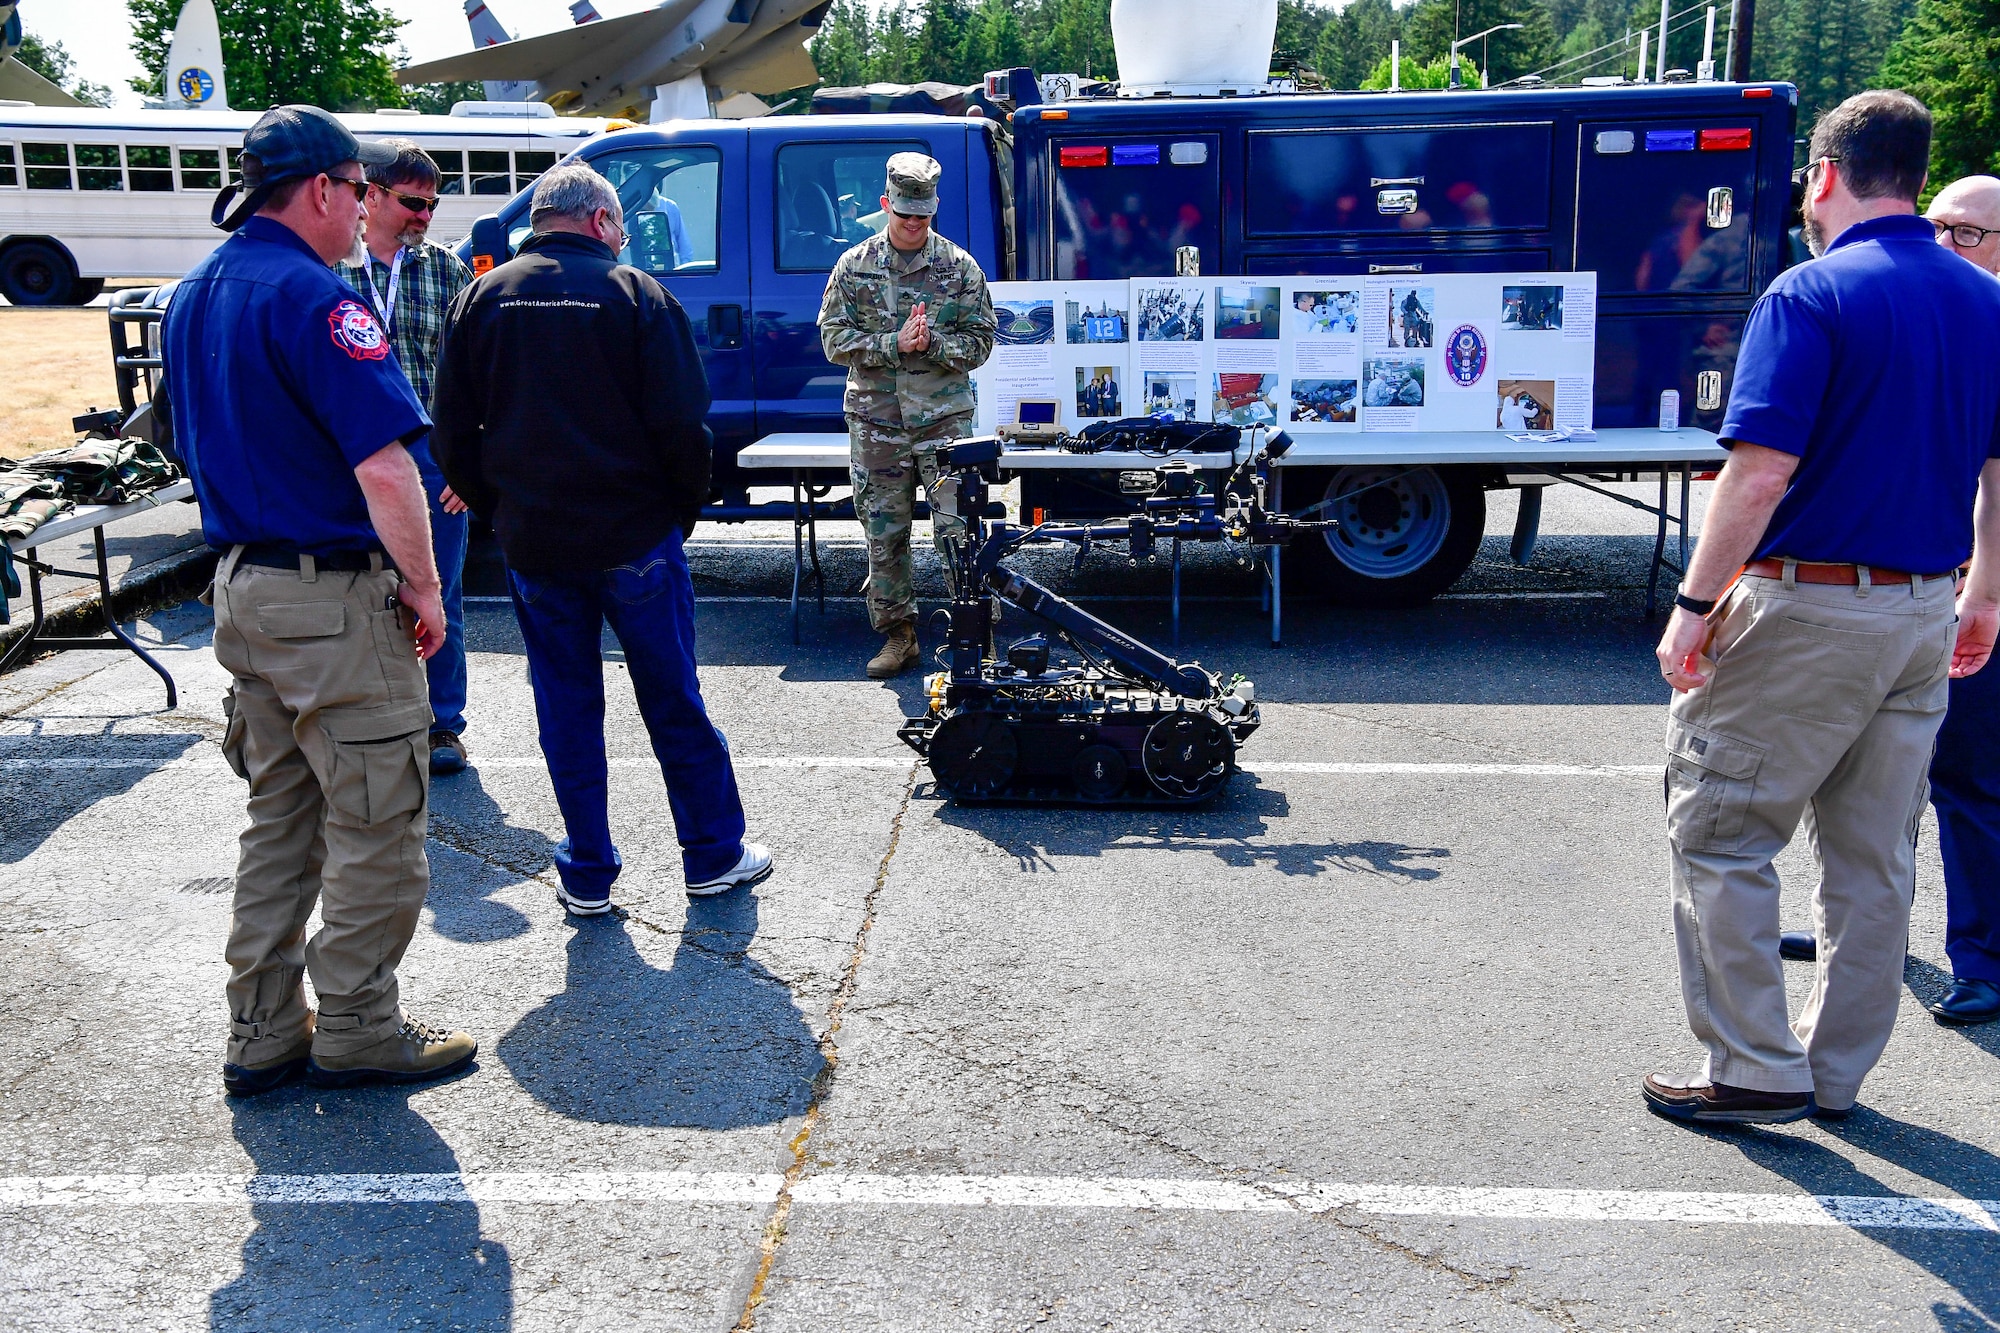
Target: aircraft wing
528	59
18	83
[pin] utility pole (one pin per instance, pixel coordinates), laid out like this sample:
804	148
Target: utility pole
1742	23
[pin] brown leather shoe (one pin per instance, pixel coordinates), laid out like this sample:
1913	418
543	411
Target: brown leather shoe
416	1052
899	652
1720	1104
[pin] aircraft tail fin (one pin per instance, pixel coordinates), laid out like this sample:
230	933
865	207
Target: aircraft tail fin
486	31
584	12
194	61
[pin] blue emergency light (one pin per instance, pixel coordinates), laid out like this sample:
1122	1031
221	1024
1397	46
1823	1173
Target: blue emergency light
1670	141
1135	155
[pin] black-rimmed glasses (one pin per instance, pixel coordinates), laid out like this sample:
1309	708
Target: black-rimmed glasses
1963	234
1799	176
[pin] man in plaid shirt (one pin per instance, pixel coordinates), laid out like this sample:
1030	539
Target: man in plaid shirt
410	283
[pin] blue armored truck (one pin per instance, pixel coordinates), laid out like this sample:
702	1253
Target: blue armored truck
1675	194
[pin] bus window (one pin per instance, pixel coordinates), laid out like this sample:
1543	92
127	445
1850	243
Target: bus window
490	173
451	170
10	176
529	166
672	206
201	168
48	165
98	167
235	164
828	199
151	167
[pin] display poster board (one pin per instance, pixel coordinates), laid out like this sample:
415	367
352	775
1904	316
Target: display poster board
1511	352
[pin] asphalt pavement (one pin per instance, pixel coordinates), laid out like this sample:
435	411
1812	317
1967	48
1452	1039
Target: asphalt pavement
1355	1047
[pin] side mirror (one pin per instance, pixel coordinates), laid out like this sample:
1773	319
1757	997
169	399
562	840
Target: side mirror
489	244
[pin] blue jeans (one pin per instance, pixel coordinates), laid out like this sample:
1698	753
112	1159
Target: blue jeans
650	604
1965	788
446	667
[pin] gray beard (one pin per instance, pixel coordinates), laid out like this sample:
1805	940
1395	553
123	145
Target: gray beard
1815	238
412	238
357	253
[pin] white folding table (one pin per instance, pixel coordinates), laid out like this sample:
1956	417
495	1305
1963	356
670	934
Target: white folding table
93	519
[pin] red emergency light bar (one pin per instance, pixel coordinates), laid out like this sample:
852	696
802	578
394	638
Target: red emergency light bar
1725	141
1084	157
1757	92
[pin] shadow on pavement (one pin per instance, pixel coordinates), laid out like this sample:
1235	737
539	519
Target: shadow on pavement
1231	829
35	802
465	818
1929	982
358	1265
1967	1260
713	1042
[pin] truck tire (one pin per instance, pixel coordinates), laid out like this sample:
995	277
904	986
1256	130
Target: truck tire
1405	535
35	273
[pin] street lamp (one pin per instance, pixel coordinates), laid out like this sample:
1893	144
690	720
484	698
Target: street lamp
1479	37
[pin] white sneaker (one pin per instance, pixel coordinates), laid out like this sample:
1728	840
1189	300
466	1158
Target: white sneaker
754	865
582	906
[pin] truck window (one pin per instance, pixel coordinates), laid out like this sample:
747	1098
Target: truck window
672	202
829	198
1124	206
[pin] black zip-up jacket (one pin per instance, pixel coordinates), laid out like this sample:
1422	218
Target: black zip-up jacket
569	408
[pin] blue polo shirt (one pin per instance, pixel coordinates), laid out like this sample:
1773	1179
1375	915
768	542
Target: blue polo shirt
1875	365
281	382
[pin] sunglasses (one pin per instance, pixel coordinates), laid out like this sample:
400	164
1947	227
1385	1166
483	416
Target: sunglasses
415	203
1799	176
912	217
355	183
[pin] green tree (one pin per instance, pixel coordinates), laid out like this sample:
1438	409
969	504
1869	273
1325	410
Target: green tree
1947	57
1355	41
841	49
1430	27
437	99
53	62
1831	49
1435	74
337	54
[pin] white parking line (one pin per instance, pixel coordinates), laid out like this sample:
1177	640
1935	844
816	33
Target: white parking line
1696	1208
205	756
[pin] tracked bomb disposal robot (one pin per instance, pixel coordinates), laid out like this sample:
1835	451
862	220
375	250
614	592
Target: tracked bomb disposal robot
1127	725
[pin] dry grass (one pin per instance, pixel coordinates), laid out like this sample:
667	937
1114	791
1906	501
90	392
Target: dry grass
56	364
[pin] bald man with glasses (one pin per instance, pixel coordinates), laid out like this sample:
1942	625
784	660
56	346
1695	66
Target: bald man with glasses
409	283
1966	217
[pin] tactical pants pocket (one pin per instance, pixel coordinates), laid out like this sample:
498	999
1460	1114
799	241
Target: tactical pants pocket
1710	784
1821	673
235	731
379	762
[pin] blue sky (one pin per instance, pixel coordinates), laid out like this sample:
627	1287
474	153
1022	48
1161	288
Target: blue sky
97	32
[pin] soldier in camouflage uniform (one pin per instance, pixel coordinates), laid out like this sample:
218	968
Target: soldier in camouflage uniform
907	313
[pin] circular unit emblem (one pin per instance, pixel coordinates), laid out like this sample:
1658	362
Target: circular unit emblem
356	333
1465	355
196	84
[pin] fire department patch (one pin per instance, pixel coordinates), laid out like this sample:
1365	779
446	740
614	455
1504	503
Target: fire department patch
1465	355
356	333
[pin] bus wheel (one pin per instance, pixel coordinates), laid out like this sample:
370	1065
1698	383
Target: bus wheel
35	274
1405	535
85	290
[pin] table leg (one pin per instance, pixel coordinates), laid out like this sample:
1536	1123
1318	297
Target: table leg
1659	553
1687	484
118	633
798	554
812	547
1177	590
19	648
1277	561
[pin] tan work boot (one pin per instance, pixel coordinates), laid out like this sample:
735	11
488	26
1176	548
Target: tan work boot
416	1052
275	1071
899	651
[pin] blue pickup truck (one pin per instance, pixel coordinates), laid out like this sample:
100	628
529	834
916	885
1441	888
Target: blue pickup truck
1675	194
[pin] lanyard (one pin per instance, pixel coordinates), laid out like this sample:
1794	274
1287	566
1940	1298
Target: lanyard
395	284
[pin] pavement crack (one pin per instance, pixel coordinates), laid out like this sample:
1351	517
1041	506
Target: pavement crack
829	1049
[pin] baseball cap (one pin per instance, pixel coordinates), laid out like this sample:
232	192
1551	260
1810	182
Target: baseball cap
913	182
288	142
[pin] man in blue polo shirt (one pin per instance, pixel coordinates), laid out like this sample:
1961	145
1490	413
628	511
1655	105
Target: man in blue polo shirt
1811	683
297	426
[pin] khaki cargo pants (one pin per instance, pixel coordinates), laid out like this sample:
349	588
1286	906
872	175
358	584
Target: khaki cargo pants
887	462
1822	708
328	719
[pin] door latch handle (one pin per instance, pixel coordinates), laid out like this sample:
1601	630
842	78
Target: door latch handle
1377	182
1395	268
725	327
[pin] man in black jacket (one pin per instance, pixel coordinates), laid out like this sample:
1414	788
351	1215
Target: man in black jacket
569	408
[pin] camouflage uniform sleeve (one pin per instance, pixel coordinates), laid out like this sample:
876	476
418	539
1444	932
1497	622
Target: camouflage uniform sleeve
841	336
966	344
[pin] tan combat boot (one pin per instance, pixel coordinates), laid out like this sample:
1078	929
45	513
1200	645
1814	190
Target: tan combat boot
416	1052
899	651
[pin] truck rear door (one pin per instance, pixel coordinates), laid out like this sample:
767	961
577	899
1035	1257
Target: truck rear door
816	191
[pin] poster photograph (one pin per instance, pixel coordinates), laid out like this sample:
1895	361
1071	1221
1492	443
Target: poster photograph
1170	314
1024	323
1325	314
1099	392
1526	405
1245	399
1170	394
1247	312
1531	309
1393	381
1412	317
1096	322
1325	402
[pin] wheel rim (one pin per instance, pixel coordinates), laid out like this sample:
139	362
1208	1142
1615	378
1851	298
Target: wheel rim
34	277
1393	521
1188	755
973	754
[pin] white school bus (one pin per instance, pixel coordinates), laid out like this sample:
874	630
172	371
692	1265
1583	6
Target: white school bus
88	194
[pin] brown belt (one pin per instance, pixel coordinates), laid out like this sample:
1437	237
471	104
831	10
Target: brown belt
1845	575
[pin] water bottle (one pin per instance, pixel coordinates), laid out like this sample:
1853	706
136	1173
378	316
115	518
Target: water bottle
1670	409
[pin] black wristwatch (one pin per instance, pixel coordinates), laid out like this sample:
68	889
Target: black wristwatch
1694	604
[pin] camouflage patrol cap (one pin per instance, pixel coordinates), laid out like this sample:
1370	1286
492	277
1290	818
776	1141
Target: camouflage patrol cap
913	182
